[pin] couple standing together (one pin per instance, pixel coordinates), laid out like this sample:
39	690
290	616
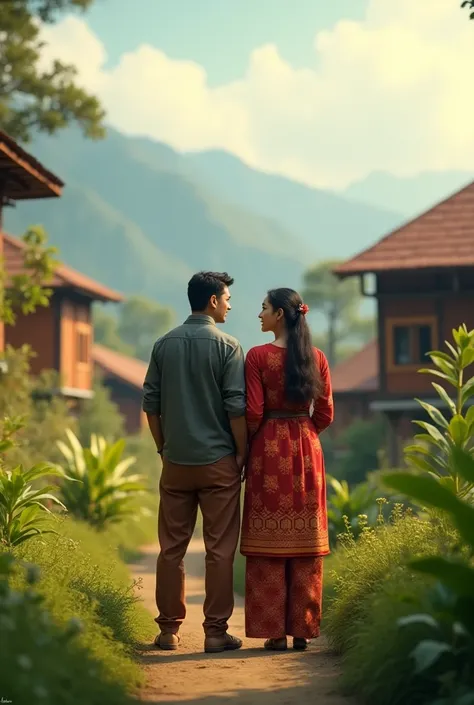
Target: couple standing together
218	418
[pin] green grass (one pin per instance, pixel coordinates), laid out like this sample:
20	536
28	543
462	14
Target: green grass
369	586
83	579
361	568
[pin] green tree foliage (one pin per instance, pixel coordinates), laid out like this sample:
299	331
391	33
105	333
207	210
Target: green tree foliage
339	302
470	4
139	324
26	292
22	396
362	442
100	415
32	98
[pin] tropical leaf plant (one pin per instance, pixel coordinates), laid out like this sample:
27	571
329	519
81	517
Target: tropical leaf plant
446	442
345	506
104	493
24	511
445	483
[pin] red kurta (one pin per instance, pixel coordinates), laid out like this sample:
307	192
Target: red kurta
285	495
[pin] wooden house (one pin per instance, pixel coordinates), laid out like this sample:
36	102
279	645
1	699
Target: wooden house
354	385
424	274
22	177
61	334
124	376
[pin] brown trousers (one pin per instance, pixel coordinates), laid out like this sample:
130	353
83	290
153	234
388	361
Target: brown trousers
216	490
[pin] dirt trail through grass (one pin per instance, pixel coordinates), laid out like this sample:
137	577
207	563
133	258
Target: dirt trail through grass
250	676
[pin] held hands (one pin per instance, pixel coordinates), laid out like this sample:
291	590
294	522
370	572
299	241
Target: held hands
240	460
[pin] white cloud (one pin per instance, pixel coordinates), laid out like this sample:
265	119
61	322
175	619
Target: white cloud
392	92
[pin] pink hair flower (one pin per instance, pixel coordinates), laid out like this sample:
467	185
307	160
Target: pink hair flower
303	308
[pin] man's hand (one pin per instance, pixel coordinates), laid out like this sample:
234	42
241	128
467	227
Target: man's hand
240	460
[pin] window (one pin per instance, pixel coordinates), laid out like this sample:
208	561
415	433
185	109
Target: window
409	341
82	341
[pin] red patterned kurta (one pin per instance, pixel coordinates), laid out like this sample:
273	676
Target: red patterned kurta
285	495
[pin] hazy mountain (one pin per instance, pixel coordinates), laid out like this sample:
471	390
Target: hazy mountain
331	223
411	195
141	218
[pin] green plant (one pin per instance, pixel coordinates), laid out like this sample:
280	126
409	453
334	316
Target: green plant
23	512
345	506
448	652
42	660
445	442
104	493
362	442
361	567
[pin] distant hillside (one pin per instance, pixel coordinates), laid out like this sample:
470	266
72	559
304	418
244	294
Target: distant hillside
141	218
411	195
331	223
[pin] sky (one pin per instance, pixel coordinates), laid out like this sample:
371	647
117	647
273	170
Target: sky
324	92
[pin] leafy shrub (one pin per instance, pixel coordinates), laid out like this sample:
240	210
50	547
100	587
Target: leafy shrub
362	442
41	661
100	415
104	492
46	418
360	568
346	505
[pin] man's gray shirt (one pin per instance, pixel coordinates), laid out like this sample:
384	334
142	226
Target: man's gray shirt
195	382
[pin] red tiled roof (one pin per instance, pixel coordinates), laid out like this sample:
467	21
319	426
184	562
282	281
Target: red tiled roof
441	237
64	276
23	175
127	369
359	373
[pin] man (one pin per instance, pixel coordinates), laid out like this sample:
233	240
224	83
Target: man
194	398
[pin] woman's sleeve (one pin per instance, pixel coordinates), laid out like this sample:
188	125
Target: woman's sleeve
255	395
323	414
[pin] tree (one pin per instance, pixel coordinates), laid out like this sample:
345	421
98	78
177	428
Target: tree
470	4
25	292
32	98
339	302
139	324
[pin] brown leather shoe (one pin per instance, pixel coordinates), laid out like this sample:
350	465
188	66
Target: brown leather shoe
226	642
276	644
167	641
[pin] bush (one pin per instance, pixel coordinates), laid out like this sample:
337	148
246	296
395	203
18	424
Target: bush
48	417
41	661
82	578
362	442
362	567
100	415
102	492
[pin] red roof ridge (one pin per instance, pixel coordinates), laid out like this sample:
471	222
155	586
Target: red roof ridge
64	275
123	367
350	266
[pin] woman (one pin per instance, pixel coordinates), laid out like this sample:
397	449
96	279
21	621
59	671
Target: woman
284	529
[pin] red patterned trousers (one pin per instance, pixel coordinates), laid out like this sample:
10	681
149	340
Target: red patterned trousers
283	596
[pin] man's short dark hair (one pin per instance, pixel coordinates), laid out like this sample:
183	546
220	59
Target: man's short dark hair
203	285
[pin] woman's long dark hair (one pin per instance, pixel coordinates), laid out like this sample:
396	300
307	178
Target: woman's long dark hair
302	382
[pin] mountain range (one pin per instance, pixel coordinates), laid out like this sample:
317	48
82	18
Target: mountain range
141	218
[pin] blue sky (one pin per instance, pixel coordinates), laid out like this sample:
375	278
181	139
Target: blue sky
218	34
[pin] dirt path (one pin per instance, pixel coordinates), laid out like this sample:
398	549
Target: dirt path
250	676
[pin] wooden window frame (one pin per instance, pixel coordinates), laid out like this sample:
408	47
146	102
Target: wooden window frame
408	322
83	329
